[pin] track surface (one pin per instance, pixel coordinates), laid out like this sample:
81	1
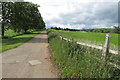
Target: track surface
15	62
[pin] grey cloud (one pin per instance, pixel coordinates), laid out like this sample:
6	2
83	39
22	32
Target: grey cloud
105	13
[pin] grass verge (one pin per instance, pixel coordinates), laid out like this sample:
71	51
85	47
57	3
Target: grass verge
77	61
14	40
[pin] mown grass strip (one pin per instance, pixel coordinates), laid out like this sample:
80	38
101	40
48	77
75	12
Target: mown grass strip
15	41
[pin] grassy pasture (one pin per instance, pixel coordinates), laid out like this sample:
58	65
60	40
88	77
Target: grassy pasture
77	61
92	38
14	40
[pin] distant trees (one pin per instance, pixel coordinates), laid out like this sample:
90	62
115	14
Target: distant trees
101	30
117	29
66	29
21	16
104	30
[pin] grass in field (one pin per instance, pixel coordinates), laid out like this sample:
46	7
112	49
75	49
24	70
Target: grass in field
14	40
11	33
78	61
92	38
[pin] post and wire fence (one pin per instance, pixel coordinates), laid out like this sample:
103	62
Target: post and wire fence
106	46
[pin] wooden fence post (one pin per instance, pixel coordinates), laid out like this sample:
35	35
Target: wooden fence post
106	46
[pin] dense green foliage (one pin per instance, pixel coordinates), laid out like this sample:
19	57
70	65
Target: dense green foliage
14	39
10	33
21	16
78	61
66	29
103	30
100	30
92	38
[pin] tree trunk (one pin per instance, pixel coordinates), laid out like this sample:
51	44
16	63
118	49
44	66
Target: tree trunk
3	30
25	30
3	27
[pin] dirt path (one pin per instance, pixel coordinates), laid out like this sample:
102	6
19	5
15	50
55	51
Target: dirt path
16	63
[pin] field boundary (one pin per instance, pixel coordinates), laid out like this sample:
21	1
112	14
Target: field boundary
94	46
89	45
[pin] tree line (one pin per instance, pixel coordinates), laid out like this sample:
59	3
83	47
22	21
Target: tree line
101	30
65	29
21	16
104	30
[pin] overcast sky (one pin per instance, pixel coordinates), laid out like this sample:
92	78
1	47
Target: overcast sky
79	14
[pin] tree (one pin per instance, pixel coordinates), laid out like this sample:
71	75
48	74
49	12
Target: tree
36	18
5	16
26	16
21	16
117	29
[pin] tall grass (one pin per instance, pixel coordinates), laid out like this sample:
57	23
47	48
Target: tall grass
77	61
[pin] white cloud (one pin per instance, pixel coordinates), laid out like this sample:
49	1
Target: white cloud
78	13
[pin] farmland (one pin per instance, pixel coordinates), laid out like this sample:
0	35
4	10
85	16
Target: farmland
77	61
73	43
92	38
100	30
103	30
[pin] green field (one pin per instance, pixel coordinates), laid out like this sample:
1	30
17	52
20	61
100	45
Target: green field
77	61
92	38
14	40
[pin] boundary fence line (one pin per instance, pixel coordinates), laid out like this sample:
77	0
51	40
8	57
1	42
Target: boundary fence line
92	46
